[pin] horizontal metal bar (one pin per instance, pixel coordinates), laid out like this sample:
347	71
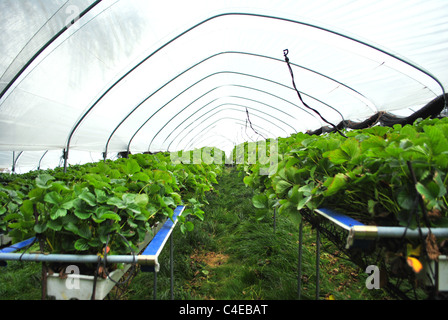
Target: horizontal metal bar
376	232
149	257
76	258
360	231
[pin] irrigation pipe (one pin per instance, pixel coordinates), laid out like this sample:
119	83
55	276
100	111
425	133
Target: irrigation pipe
74	258
376	232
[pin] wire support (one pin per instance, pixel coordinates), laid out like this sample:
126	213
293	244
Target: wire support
285	53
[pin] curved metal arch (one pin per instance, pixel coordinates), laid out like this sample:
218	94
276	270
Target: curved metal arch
239	97
15	159
244	14
41	158
195	139
224	104
198	136
45	46
197	82
211	110
220	138
287	101
234	52
230	108
243	74
221	72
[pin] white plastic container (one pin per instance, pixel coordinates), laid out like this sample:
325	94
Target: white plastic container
80	287
440	270
443	273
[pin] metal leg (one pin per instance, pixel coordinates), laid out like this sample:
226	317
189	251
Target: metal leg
171	268
275	218
317	263
299	267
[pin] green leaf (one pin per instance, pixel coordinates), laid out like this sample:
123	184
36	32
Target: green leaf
140	176
68	204
57	213
88	197
334	184
337	156
189	226
141	200
43	179
110	215
132	167
27	208
168	201
405	200
83	214
282	186
425	192
40	227
351	148
84	231
53	197
55	225
260	201
71	227
82	245
304	201
114	201
101	196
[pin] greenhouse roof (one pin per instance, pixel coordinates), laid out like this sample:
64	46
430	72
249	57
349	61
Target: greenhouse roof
103	77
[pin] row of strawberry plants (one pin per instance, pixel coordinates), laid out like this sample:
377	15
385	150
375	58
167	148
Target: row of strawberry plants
115	202
384	176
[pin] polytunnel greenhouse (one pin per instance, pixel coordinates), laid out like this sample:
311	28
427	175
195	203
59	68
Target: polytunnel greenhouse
114	114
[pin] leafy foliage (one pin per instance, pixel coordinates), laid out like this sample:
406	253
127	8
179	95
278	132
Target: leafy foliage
369	175
87	207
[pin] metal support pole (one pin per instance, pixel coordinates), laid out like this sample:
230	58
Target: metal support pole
275	218
299	267
65	156
171	268
317	263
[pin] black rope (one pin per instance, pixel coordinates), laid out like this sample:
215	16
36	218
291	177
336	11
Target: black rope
134	261
250	124
285	53
419	199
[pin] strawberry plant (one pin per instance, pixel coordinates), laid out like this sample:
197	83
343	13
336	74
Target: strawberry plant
113	202
384	176
369	175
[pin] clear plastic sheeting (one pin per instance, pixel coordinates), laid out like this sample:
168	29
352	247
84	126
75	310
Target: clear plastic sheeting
102	77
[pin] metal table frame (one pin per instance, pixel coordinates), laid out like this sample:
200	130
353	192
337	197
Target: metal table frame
148	259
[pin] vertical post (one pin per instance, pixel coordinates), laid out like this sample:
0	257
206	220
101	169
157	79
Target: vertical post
275	218
65	155
13	162
317	263
299	274
171	268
